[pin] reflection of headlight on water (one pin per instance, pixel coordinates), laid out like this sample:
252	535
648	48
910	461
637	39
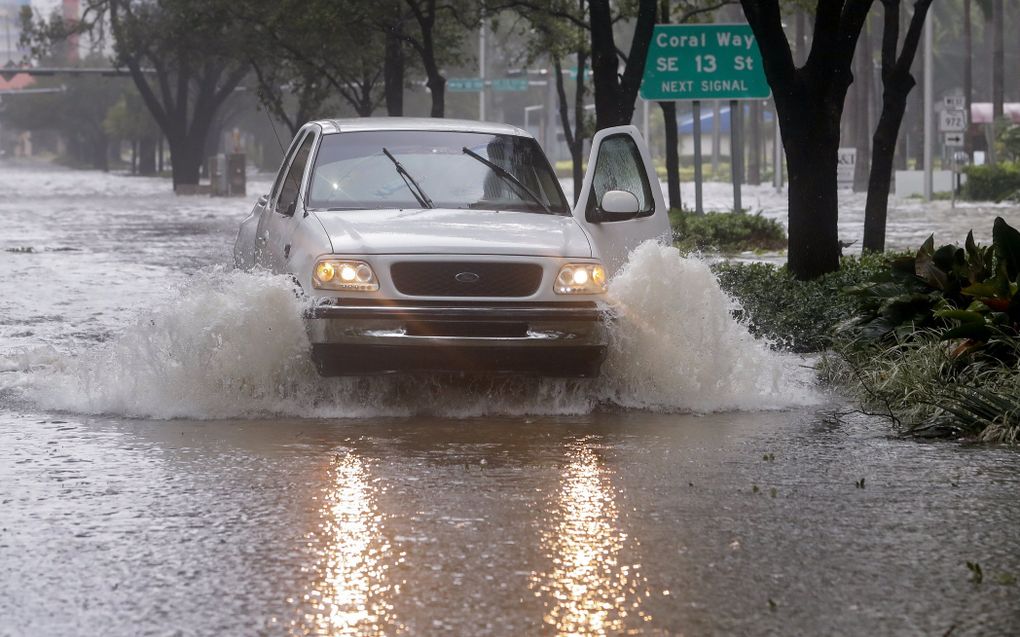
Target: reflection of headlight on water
351	594
588	591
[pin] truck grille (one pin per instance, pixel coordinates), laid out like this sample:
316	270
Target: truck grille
417	278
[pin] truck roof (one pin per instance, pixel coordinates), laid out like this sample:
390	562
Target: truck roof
352	124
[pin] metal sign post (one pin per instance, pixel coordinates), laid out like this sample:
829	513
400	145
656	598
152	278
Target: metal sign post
952	185
736	151
698	206
706	62
928	109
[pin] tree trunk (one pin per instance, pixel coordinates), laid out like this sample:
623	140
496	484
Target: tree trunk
186	161
672	154
393	71
605	67
616	92
800	46
101	153
897	82
989	37
809	100
894	105
998	60
134	156
811	156
900	159
670	126
437	87
147	156
574	135
580	125
862	102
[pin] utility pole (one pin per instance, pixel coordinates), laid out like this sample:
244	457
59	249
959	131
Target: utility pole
481	70
929	119
552	122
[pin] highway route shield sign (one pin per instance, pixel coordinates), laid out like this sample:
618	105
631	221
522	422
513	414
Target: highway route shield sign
954	121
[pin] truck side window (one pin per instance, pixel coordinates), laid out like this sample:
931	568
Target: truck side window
619	167
292	182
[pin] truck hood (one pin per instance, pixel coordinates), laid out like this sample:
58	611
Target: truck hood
453	231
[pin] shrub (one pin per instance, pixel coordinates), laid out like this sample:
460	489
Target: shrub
726	232
796	315
935	341
922	386
968	294
992	183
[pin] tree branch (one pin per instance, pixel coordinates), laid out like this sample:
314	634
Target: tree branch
913	37
890	36
694	12
766	20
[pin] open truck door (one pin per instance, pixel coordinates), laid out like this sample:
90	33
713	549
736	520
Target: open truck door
621	203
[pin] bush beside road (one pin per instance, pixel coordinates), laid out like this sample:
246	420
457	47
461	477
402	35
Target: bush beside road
930	340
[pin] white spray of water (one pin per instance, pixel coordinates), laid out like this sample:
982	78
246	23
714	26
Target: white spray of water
677	346
233	344
227	344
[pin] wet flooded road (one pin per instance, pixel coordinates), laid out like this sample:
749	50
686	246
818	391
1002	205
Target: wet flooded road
598	525
591	519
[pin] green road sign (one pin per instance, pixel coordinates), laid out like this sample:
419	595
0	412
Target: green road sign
510	84
704	62
465	84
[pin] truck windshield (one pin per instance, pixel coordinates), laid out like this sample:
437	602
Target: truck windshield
352	172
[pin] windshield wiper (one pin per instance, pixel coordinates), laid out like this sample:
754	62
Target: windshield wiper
507	176
416	189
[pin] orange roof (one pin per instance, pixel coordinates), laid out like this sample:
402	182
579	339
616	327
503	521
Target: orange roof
18	82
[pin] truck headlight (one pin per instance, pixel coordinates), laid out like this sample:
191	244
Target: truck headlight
344	274
581	278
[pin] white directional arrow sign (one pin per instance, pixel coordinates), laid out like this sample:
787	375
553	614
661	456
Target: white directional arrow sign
953	139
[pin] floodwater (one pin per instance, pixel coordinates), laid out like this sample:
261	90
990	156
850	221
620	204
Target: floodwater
168	465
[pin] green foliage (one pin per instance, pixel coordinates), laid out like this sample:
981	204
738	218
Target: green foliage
967	293
1009	142
976	575
726	232
925	388
992	183
129	119
935	342
792	314
989	414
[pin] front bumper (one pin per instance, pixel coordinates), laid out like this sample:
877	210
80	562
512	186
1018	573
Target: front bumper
351	338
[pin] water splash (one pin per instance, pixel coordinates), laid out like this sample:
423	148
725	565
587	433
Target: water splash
677	346
232	344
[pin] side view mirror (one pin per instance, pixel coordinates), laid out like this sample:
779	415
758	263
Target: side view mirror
619	205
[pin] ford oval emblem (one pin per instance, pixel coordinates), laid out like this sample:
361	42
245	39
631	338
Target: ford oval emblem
467	277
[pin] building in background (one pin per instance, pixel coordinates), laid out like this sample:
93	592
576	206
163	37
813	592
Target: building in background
10	32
